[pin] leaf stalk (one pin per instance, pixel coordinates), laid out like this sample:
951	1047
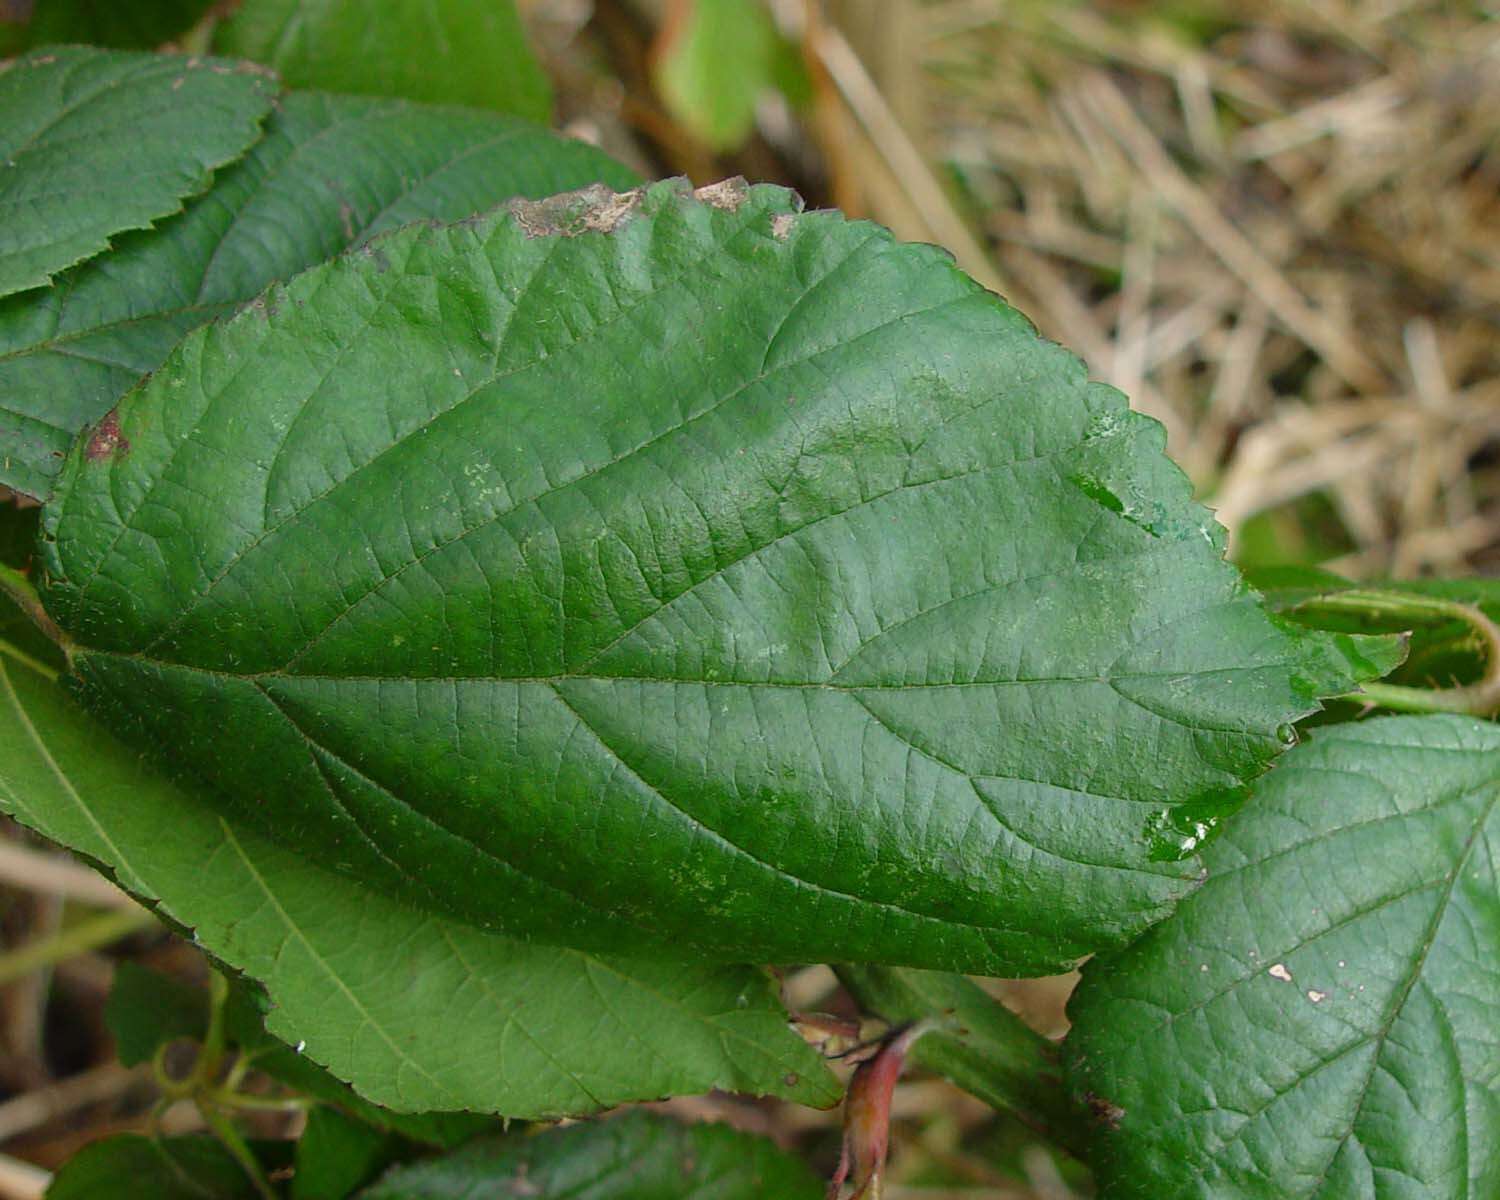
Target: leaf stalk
1478	699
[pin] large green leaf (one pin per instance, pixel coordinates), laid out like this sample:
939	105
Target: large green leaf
418	1013
95	142
331	171
635	1157
445	51
1320	1019
672	568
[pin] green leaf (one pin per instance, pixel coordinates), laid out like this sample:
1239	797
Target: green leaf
1319	1019
673	568
714	60
1287	588
131	1167
470	52
417	1012
1454	641
982	1046
96	142
1334	659
337	1154
147	1009
638	1156
140	24
332	171
245	1021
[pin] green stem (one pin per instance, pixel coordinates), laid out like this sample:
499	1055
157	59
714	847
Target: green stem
77	939
27	661
1481	699
225	1098
211	1055
15	586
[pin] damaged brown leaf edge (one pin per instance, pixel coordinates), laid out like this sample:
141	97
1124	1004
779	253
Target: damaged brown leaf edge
597	209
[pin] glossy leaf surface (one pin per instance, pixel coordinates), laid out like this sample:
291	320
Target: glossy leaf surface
95	142
1319	1020
418	1013
330	172
673	569
639	1156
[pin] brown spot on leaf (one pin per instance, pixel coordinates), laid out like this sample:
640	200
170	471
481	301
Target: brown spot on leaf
1104	1111
781	226
594	209
106	441
727	194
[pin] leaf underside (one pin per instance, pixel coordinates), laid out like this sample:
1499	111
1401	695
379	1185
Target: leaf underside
673	570
418	1013
95	142
331	171
1319	1020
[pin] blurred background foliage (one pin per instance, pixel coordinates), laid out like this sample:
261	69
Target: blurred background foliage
1275	225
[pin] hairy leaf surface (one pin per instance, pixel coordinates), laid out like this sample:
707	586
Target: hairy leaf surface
416	1012
95	142
330	172
639	1156
447	51
1319	1020
663	568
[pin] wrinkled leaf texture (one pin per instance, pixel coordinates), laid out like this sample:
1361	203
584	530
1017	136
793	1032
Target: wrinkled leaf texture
1319	1020
331	171
95	142
417	1013
676	572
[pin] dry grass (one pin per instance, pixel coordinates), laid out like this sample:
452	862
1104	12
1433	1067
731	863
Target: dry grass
1276	226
